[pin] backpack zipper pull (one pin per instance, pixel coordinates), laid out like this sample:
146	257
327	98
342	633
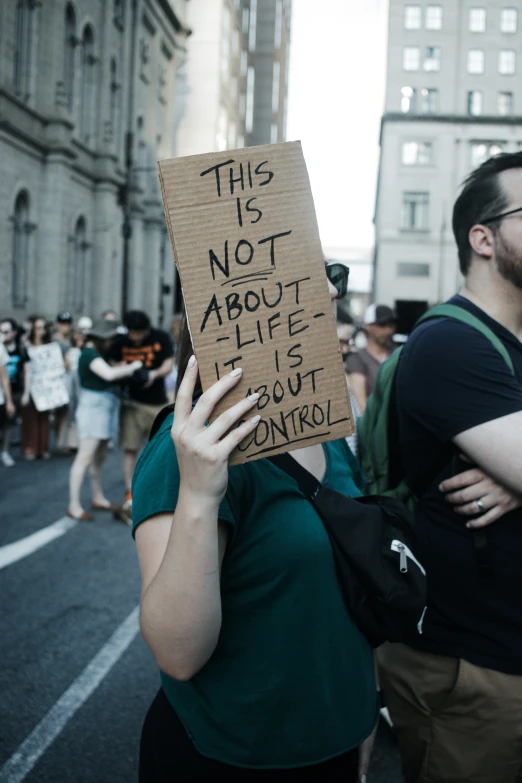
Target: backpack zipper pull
403	559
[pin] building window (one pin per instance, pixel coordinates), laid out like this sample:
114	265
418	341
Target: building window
244	63
415	210
475	100
477	20
115	102
408	100
411	58
433	17
274	133
23	48
276	78
225	42
412	17
235	42
278	24
417	153
249	108
71	43
118	13
252	26
78	261
507	61
508	20
20	249
87	84
505	104
432	58
429	100
475	61
412	269
245	21
484	150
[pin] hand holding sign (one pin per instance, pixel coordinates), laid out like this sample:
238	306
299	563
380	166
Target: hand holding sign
245	240
202	451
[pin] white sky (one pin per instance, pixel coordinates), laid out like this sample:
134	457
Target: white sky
336	98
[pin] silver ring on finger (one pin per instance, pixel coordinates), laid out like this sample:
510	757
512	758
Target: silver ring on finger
480	505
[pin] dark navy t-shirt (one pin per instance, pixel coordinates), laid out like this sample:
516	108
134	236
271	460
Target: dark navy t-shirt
450	379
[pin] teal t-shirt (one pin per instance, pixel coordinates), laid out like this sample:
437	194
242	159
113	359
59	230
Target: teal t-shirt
88	378
291	681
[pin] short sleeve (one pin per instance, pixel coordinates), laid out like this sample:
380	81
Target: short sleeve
451	378
354	363
155	486
167	346
114	354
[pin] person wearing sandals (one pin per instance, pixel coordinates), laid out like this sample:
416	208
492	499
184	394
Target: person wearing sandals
97	409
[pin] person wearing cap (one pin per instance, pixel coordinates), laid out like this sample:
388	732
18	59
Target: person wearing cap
362	367
62	335
95	414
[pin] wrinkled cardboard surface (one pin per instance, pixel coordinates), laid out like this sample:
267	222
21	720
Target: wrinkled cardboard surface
280	331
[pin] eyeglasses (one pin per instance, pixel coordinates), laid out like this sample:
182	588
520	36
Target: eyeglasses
5	331
503	215
338	275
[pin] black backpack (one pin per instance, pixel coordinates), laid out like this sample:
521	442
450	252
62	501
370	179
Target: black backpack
373	542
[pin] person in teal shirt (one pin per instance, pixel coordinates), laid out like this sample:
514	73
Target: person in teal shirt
264	673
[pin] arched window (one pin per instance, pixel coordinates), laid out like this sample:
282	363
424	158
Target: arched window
70	54
87	83
119	13
115	103
20	249
23	48
78	261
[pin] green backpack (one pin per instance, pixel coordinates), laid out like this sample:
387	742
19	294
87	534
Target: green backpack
377	429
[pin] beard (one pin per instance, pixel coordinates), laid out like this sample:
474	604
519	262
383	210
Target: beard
509	262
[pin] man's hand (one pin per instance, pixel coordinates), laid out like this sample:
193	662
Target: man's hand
10	409
152	378
473	492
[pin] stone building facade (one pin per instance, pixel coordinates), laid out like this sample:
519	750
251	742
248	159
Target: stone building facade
453	99
86	95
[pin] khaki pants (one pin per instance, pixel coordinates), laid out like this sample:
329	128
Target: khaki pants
136	420
455	722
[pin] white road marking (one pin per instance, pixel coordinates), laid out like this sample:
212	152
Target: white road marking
10	553
35	745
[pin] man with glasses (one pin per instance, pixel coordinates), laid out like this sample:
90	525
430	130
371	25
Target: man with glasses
14	368
455	691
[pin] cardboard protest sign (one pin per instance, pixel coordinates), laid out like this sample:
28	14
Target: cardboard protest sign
48	379
244	236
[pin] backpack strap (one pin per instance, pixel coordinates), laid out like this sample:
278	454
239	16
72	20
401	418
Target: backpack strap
160	418
460	314
307	483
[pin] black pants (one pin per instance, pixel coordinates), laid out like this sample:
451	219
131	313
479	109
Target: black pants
167	755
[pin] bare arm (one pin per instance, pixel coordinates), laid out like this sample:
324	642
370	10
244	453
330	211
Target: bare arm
163	369
496	447
357	383
6	385
180	559
27	383
100	367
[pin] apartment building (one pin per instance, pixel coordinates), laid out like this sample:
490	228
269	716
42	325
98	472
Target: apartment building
453	99
233	88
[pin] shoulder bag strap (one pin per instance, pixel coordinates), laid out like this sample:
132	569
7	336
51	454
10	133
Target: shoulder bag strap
307	483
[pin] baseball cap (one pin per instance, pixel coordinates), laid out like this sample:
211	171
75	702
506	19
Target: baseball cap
84	323
379	314
64	318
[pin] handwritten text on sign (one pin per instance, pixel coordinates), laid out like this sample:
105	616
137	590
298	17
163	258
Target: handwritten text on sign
48	379
245	239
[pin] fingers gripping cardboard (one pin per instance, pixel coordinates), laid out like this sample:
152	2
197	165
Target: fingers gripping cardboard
244	236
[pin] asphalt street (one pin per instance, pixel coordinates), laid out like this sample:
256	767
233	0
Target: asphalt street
75	676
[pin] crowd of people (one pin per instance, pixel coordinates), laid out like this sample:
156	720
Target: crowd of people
118	375
265	673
